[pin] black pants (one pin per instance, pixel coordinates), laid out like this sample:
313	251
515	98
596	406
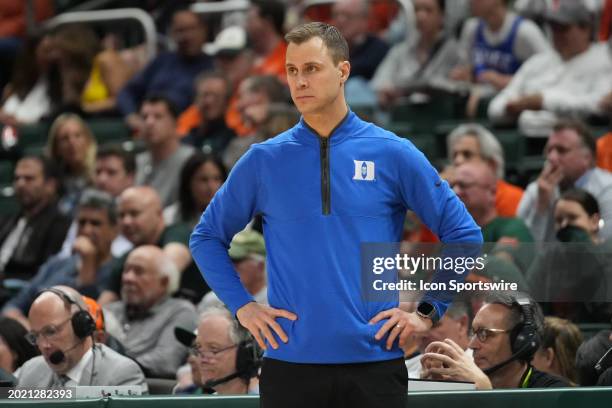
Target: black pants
367	385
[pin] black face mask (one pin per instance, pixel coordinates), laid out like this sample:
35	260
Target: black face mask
571	233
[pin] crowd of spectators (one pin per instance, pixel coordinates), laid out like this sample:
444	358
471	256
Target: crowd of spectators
95	264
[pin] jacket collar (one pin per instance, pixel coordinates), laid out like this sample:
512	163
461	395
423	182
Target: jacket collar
346	128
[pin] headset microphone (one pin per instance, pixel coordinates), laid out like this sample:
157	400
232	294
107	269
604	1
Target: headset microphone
211	384
59	356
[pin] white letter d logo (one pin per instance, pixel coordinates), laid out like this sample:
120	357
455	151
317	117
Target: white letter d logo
364	170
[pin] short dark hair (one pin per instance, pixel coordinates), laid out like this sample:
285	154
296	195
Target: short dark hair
115	150
160	98
583	131
50	170
442	5
516	317
331	36
99	200
586	200
273	11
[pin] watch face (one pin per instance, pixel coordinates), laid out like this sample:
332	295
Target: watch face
426	308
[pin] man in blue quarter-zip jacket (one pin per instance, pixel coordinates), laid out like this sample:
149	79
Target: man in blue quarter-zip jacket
324	187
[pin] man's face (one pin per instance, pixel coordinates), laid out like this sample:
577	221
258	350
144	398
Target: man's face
481	8
569	39
429	17
250	101
94	224
111	175
351	19
255	24
496	348
159	124
314	80
213	336
446	328
188	33
51	322
472	189
465	150
142	285
211	98
565	150
235	67
30	185
72	143
249	270
138	221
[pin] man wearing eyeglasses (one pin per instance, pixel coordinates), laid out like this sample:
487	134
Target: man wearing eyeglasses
499	359
67	360
570	162
216	349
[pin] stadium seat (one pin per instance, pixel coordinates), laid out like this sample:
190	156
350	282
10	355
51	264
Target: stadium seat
6	171
33	135
109	130
8	202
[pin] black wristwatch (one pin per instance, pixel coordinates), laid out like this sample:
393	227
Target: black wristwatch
428	311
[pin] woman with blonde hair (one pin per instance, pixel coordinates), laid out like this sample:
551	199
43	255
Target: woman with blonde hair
72	145
557	354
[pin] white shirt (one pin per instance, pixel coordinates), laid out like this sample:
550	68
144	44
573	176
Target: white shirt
75	373
574	86
34	106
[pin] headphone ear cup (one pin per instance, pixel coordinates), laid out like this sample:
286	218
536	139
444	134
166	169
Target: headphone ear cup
83	324
248	359
525	339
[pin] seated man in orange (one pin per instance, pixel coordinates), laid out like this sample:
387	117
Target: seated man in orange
471	142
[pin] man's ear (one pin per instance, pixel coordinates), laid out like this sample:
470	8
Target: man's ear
345	69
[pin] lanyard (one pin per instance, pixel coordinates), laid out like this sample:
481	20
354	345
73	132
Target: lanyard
525	382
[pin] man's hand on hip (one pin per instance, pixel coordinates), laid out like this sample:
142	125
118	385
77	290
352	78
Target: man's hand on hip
400	324
259	319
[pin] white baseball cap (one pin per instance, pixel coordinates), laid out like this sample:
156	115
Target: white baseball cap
230	40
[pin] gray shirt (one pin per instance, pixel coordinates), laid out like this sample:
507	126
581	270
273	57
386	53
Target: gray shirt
164	175
598	182
149	339
401	67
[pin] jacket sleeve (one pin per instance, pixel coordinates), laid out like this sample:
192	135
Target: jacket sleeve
233	206
424	192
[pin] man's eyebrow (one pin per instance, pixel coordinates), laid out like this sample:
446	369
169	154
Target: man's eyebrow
304	64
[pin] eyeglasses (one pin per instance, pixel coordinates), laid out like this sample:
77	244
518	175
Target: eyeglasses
48	332
210	354
483	333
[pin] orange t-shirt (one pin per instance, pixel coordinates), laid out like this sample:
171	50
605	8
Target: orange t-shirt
606	21
507	199
191	118
273	63
604	152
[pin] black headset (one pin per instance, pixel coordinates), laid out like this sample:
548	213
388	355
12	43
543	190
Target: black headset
248	359
524	337
83	324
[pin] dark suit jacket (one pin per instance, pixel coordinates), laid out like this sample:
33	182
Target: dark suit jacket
43	236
